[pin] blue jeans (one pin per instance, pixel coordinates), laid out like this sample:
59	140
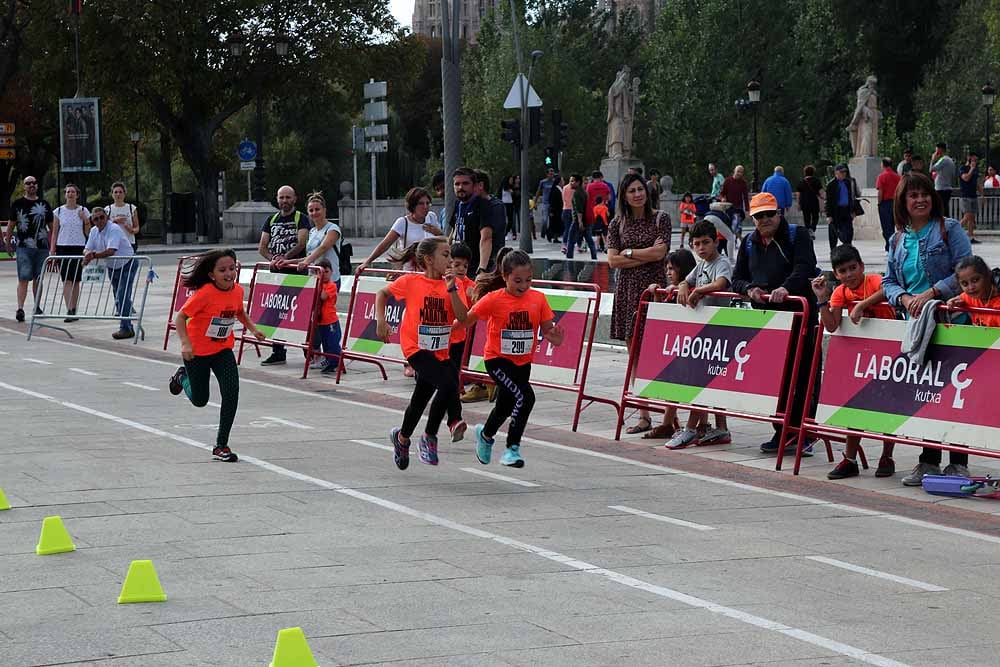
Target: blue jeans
567	223
327	337
886	220
122	278
573	237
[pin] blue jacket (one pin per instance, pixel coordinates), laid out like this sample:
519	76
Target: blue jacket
937	256
779	186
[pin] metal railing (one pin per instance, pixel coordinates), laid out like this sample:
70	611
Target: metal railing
988	216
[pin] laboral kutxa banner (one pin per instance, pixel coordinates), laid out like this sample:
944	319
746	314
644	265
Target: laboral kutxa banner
281	305
716	357
361	337
557	364
869	385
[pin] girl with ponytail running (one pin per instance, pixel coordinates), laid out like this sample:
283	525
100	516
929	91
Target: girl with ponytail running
513	316
432	305
205	326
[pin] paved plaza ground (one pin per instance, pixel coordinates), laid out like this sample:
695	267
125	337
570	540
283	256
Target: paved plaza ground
596	553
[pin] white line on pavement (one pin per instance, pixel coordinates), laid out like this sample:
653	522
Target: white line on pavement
37	361
3	354
970	534
83	372
582	566
369	443
502	478
661	517
140	386
878	573
286	422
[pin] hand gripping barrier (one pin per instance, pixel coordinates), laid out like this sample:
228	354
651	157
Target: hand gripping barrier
181	293
283	306
731	361
576	307
871	390
113	288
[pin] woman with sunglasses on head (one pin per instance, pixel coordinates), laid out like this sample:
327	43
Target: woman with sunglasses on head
70	228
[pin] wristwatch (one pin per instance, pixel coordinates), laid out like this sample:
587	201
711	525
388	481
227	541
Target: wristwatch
628	253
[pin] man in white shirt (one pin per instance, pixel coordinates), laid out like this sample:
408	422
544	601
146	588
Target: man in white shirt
108	241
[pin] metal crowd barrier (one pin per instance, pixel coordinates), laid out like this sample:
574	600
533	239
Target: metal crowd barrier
113	288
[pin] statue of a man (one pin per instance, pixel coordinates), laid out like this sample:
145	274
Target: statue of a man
621	110
863	129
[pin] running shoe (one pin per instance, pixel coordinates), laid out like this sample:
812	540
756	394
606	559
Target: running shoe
715	436
177	380
19	315
318	364
428	449
886	467
400	452
683	438
512	457
771	447
225	454
458	429
484	447
330	368
846	468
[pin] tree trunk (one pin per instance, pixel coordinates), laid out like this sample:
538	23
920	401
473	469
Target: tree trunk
166	180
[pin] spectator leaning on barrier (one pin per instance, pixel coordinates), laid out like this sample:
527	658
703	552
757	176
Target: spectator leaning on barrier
419	223
923	253
778	258
108	241
30	217
324	237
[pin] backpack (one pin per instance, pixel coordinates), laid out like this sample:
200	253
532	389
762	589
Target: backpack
344	254
792	232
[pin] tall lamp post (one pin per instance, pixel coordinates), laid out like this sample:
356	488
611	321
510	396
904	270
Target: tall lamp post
753	96
237	46
989	97
135	137
525	243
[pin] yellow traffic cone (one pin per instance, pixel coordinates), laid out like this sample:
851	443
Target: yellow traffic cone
4	505
292	650
55	538
141	584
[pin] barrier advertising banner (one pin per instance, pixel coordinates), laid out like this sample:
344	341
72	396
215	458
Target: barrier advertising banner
717	357
551	363
361	337
869	385
281	305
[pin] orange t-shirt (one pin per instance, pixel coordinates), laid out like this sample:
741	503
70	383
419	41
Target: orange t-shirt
212	318
601	213
512	323
687	211
982	319
428	316
872	283
458	331
328	308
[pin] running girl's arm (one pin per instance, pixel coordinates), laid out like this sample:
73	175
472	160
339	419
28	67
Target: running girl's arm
552	332
249	325
859	310
381	326
180	321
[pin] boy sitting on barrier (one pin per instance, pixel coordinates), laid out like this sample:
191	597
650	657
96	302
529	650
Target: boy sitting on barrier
865	290
712	273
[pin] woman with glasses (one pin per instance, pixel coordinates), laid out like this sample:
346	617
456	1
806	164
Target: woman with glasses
70	227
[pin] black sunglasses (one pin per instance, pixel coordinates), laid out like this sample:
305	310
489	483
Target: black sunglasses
765	215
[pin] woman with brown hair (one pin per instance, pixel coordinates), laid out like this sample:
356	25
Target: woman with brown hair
419	223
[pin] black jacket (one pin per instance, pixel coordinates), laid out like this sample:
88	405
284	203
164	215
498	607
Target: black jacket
476	217
780	263
833	194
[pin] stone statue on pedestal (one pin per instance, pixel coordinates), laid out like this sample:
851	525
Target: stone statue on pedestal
863	129
622	99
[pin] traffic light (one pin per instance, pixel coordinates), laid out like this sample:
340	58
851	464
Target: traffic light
511	131
536	131
556	123
550	160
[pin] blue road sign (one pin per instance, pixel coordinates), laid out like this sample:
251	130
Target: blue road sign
247	150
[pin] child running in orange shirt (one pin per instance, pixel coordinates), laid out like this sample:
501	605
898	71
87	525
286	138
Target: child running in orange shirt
205	326
978	290
866	291
513	317
432	305
326	332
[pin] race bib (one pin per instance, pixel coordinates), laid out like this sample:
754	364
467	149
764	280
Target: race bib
220	327
433	338
516	341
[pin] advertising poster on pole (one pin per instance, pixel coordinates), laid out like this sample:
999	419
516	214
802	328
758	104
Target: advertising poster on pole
716	357
282	305
80	134
362	338
869	385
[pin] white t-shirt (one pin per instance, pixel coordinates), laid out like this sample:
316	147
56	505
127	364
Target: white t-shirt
125	211
410	232
111	237
992	182
507	197
70	225
316	236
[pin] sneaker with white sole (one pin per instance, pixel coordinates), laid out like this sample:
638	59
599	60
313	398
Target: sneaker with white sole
458	430
683	438
274	360
916	476
484	447
956	470
512	457
225	454
400	452
428	448
318	364
716	436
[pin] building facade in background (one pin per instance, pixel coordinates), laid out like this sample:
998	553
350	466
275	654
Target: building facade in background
427	18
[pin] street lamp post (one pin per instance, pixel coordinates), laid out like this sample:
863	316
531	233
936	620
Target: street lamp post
236	47
525	243
135	137
989	97
753	95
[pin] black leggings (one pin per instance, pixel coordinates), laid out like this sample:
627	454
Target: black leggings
433	375
515	398
223	364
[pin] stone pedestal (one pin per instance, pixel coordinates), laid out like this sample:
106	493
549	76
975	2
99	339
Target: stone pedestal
867	227
614	169
241	222
865	170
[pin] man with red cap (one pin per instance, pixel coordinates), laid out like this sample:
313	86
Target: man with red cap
778	259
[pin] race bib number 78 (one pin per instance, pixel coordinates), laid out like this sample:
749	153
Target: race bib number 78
433	338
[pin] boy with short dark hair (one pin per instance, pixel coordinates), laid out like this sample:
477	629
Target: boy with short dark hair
712	273
865	291
326	333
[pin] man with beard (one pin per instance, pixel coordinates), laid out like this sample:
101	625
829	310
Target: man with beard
30	217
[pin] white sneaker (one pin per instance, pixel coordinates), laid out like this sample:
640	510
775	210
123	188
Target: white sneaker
683	438
956	470
318	364
716	436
